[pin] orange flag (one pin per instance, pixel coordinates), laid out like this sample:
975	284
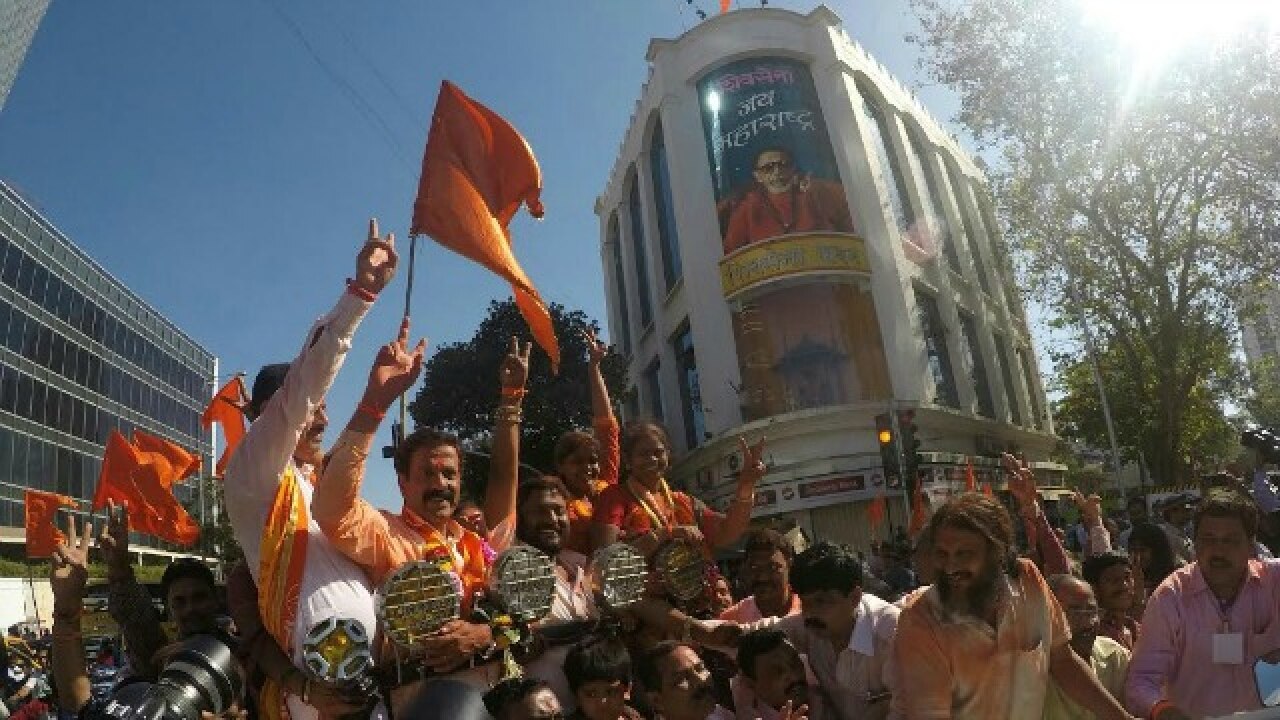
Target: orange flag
919	516
43	535
986	489
225	409
970	481
476	173
181	464
875	512
724	6
144	482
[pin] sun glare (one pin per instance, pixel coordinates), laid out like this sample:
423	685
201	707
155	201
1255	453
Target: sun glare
1154	29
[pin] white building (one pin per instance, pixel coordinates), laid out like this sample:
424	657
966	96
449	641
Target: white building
18	22
791	245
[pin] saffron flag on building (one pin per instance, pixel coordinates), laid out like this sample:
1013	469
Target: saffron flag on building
476	173
986	489
41	508
919	515
875	512
227	410
970	480
724	6
144	482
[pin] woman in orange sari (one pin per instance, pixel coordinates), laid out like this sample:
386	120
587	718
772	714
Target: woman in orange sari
588	462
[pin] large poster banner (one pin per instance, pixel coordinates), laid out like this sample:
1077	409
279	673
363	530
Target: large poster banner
804	320
771	160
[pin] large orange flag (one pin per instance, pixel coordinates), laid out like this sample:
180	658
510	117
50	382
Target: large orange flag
144	482
181	464
226	410
875	513
476	173
43	535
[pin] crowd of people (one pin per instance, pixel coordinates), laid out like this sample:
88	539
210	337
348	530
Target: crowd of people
984	614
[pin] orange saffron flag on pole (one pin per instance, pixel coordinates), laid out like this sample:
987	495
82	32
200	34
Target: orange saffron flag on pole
476	173
227	410
143	481
970	480
182	464
875	512
986	490
43	535
919	516
724	6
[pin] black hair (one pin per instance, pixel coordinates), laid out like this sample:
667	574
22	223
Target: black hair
767	540
757	643
269	379
600	661
1096	565
509	692
423	438
1152	536
826	566
647	671
1222	502
981	515
184	569
541	483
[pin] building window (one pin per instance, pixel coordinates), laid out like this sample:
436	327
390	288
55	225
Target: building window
636	212
1006	373
972	349
922	154
653	388
1028	377
887	163
936	354
999	250
671	266
614	242
695	422
959	189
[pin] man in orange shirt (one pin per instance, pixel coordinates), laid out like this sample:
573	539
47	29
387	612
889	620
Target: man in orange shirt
428	465
782	201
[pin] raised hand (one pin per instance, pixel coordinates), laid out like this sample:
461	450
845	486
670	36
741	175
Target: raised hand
1022	482
115	537
376	262
395	369
515	366
790	713
69	569
1090	508
753	467
596	350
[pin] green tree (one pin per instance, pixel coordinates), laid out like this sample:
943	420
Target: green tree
1207	437
1263	401
460	388
1145	202
217	539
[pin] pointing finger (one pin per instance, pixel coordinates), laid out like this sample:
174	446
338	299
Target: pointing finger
373	229
420	349
526	351
403	338
515	346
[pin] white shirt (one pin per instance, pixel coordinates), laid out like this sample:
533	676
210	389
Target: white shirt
572	603
332	585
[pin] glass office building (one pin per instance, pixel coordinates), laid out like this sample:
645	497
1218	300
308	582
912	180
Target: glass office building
80	356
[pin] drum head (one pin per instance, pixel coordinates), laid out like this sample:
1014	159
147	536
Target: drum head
416	600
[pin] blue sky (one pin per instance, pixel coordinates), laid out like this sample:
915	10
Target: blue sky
222	159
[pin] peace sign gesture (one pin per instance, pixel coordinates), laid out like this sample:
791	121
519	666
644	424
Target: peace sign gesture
515	366
753	467
1090	508
596	350
1022	482
395	369
376	262
69	568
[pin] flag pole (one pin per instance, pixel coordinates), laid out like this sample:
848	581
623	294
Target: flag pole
408	293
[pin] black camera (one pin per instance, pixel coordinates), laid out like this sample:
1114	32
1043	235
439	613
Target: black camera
203	675
1265	441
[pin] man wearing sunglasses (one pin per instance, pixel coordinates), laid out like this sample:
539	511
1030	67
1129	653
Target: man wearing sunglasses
783	201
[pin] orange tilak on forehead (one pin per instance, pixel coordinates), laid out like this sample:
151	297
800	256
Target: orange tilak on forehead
439	464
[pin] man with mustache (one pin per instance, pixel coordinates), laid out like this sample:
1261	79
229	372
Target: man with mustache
772	675
1107	658
428	465
542	521
1208	623
984	640
766	563
678	684
302	580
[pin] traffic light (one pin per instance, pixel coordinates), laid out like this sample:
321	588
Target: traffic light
888	449
910	447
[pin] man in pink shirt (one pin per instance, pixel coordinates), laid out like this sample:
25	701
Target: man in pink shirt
1208	623
766	564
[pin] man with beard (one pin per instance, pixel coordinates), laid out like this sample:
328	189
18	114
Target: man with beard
302	580
772	675
1108	660
782	201
983	641
428	465
542	521
1208	623
678	684
766	563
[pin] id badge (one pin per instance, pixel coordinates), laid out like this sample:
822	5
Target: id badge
1228	649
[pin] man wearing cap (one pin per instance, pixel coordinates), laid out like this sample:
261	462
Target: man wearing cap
302	580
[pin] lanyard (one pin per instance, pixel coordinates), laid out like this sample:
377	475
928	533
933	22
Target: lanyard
655	519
